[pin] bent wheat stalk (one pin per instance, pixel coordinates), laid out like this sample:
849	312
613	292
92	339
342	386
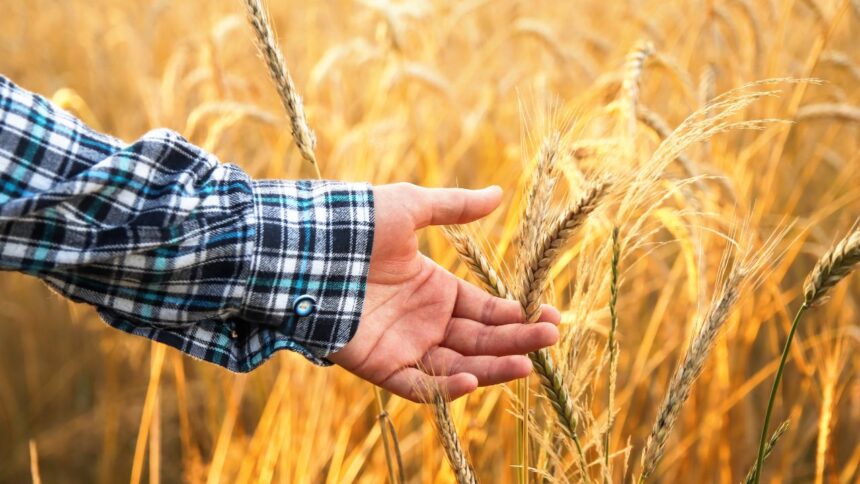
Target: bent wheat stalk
548	248
837	111
634	65
689	370
831	268
268	46
552	380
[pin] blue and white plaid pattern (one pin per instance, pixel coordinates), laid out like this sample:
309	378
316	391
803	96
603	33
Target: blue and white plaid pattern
170	244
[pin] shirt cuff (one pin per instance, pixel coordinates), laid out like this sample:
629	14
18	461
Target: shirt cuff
308	267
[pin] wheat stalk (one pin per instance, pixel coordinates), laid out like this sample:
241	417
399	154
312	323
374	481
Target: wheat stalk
292	102
546	250
689	370
537	198
657	124
634	65
768	449
552	380
843	61
451	442
755	26
839	111
612	349
836	264
536	204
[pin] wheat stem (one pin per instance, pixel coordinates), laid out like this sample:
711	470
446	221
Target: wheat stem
387	428
763	440
831	268
612	348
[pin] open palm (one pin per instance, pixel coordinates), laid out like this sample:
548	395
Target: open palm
421	326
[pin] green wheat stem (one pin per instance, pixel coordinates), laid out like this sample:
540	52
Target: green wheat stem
773	390
612	345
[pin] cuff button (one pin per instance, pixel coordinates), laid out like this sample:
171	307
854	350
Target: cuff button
304	306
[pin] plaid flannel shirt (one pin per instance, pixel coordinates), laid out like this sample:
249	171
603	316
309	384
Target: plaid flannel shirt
170	244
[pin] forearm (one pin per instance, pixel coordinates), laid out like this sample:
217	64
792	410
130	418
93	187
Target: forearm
170	244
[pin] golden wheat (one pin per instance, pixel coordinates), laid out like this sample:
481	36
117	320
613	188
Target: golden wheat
837	111
451	443
454	94
268	45
689	370
831	268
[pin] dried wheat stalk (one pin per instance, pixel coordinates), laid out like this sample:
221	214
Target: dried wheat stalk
768	449
545	252
552	380
634	65
755	26
843	61
451	442
656	123
839	111
268	45
689	370
536	203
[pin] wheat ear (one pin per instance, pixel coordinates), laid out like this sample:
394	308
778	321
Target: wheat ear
551	379
548	248
633	66
831	268
537	197
689	370
268	46
451	442
768	449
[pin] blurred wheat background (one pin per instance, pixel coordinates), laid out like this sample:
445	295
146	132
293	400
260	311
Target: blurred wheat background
463	93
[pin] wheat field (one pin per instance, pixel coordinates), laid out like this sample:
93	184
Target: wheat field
727	133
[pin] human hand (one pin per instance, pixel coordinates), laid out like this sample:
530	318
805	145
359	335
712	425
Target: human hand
422	327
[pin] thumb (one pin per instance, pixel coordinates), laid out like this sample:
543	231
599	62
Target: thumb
449	206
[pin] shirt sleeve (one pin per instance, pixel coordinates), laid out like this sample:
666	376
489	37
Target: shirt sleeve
170	244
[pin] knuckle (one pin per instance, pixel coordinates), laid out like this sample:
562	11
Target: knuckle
409	188
489	309
483	340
